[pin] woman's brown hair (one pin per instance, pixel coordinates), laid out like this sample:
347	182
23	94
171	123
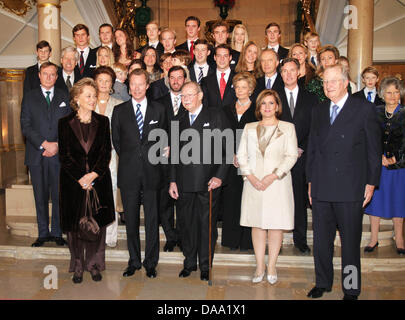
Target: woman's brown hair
264	94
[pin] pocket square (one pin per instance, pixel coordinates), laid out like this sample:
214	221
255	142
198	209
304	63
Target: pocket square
63	104
207	124
153	122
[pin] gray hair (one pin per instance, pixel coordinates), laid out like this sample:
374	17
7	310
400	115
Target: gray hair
193	83
343	70
388	81
70	49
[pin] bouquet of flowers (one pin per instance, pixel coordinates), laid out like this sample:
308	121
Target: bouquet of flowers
228	3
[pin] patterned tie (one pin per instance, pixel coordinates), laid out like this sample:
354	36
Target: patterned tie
81	63
222	85
334	113
313	61
192	50
139	119
200	76
176	105
48	98
369	96
68	83
292	104
268	84
192	118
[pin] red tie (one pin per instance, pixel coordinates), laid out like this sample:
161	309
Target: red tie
192	50
222	85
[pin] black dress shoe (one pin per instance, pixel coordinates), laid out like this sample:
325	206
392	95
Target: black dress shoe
60	241
151	272
40	242
77	277
96	275
350	297
317	292
186	272
370	248
180	245
204	276
130	271
303	248
401	251
169	246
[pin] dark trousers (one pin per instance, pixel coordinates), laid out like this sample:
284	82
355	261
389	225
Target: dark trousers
348	218
193	215
45	183
86	255
131	202
166	215
300	190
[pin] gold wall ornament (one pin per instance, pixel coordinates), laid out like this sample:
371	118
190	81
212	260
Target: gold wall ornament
18	7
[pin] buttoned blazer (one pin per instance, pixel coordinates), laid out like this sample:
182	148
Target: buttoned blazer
212	96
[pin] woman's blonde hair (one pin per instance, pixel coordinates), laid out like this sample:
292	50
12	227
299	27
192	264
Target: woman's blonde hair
77	90
241	66
110	55
246	76
239	26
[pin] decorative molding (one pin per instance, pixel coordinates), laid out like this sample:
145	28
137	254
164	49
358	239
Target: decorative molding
383	54
17	61
18	7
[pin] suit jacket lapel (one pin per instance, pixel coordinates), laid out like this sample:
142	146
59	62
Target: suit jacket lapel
92	132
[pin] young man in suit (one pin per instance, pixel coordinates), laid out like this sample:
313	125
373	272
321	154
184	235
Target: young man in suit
200	68
168	40
31	80
131	123
68	75
190	183
217	87
273	35
172	102
369	76
271	78
297	109
41	110
220	33
87	56
343	167
106	35
153	33
192	29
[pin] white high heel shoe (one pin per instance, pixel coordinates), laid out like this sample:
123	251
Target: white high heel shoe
259	278
272	279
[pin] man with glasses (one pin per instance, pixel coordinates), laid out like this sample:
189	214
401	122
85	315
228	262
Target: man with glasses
190	182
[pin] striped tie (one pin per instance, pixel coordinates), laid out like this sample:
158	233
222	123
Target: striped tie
200	76
176	105
81	63
139	119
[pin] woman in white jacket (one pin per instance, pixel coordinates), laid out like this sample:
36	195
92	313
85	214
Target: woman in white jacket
267	152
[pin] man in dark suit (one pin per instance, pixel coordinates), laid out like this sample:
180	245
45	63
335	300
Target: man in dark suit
87	56
190	182
217	87
220	33
343	167
168	40
68	74
172	102
271	78
41	110
153	33
106	36
31	79
200	68
131	123
192	29
273	35
297	109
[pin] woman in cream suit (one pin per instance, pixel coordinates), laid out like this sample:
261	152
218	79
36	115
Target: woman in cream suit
105	78
267	152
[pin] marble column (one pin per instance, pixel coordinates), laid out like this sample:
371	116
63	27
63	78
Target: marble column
49	26
12	148
360	23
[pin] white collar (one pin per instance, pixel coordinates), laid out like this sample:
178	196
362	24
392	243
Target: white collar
197	112
341	102
275	47
294	91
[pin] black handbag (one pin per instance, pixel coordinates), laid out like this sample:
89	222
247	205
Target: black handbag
89	229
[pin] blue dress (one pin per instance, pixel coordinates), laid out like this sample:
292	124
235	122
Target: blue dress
389	198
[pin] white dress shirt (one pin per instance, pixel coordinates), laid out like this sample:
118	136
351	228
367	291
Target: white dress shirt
272	80
72	77
189	43
340	104
143	104
153	44
226	77
373	93
51	90
85	54
204	70
275	48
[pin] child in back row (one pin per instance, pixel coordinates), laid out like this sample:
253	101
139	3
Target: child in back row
182	58
369	77
120	88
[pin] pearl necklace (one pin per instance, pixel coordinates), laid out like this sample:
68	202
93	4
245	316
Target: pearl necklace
243	104
387	114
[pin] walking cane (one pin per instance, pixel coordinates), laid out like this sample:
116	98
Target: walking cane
209	244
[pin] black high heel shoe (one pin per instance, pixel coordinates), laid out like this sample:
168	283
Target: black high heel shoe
370	249
401	251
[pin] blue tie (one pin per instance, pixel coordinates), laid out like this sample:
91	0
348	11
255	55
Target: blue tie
268	84
334	113
192	118
139	119
369	96
313	61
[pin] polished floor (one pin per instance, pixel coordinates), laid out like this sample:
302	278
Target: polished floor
31	279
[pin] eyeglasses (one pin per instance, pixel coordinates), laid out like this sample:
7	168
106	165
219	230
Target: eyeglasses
188	96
